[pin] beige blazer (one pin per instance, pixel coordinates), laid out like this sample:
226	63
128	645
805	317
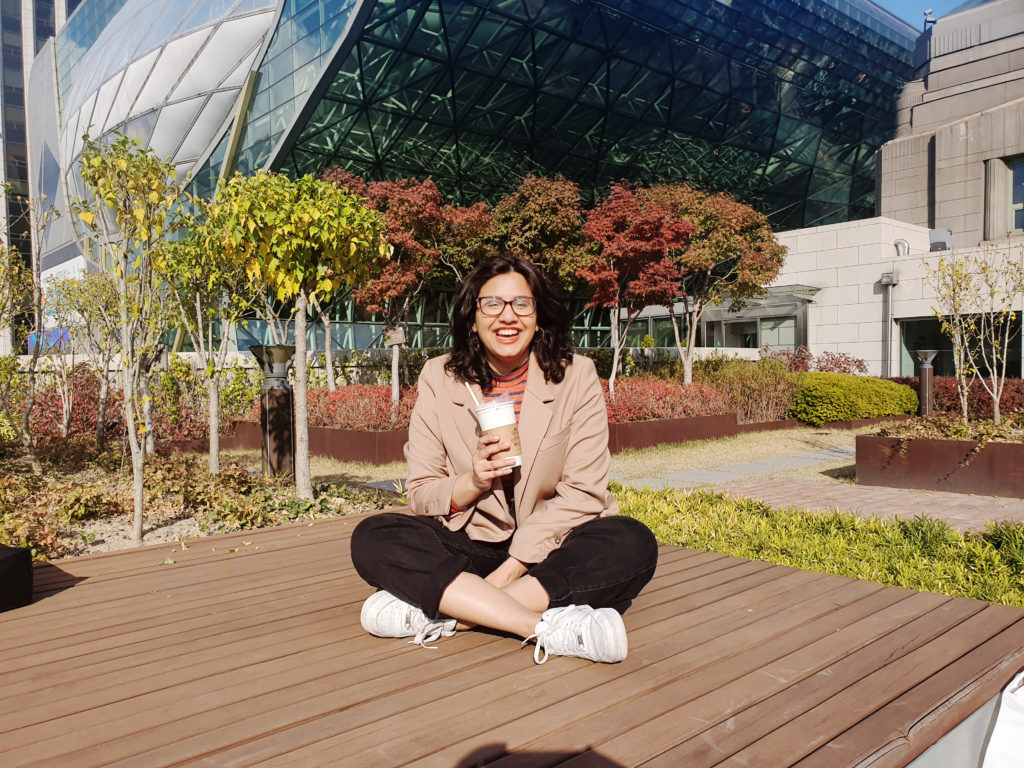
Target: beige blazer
564	478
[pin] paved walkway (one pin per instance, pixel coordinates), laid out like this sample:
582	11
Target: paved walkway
964	512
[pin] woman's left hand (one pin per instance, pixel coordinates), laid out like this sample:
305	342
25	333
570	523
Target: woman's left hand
506	573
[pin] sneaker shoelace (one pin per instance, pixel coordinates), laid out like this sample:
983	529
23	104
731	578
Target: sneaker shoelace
571	640
430	633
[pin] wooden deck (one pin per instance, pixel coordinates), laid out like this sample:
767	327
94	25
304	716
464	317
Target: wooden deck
247	650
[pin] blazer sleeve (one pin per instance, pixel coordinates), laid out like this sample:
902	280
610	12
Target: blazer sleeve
581	493
431	475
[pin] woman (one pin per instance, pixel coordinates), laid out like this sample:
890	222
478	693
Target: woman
537	550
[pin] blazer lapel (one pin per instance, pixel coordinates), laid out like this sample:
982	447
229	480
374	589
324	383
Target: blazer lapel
534	418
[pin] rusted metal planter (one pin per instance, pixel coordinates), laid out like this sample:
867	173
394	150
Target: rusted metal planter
644	434
997	469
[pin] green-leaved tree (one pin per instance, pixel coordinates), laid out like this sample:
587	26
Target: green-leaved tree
132	214
302	239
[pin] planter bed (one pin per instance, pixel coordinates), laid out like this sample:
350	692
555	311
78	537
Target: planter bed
385	447
340	444
937	465
644	434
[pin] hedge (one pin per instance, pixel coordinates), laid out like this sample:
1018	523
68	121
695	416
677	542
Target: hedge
827	397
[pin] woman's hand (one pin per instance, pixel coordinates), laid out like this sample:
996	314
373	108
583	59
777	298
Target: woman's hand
470	485
485	468
506	573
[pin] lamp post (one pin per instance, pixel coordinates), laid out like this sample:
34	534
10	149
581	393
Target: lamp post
277	412
924	386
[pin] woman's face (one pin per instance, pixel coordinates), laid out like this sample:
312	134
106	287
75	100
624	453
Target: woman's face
506	337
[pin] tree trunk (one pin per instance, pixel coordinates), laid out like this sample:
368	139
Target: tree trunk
325	317
615	352
101	414
394	376
691	343
149	443
67	405
213	389
138	456
26	420
303	481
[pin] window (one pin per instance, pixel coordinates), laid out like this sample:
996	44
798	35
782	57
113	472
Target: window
778	333
741	334
1017	196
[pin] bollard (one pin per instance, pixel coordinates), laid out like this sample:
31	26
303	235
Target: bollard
924	386
277	412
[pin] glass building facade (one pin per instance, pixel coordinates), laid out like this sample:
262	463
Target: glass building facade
781	102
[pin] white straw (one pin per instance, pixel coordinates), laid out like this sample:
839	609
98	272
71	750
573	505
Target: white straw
471	393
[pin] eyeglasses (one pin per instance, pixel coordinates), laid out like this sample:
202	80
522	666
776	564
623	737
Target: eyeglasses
492	306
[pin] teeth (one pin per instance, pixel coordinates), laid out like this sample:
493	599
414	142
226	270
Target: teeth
510	332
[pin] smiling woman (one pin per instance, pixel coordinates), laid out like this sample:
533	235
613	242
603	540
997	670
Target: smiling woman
535	549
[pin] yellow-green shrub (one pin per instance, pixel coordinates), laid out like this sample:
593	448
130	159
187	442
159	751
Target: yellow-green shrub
827	397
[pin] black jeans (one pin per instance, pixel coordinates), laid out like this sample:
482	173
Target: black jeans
603	563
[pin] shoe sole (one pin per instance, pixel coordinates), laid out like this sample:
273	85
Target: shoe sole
615	629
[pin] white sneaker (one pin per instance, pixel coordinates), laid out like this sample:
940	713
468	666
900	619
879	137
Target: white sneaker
579	630
384	615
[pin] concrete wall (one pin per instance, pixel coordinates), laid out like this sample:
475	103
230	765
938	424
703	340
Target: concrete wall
847	262
957	126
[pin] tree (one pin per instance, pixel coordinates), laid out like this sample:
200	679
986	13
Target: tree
429	241
632	269
93	298
1001	284
59	348
953	280
542	220
213	290
15	290
975	294
732	252
132	214
39	214
302	239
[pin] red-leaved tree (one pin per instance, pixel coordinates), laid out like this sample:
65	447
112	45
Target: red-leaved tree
632	269
732	253
429	241
542	220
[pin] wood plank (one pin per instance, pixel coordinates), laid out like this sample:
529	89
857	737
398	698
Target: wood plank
929	710
802	735
257	657
766	699
456	719
635	721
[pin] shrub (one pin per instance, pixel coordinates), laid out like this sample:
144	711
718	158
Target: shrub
239	389
360	406
979	403
757	390
800	360
827	397
47	411
644	399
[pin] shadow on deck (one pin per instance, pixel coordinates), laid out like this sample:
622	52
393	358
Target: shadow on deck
246	649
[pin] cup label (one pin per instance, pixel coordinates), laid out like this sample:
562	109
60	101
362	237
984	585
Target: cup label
507	433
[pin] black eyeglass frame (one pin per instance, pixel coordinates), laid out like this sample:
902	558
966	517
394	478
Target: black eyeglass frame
508	303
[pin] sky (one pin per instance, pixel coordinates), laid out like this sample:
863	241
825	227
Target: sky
912	11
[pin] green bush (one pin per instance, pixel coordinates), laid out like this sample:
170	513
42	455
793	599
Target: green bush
758	390
825	397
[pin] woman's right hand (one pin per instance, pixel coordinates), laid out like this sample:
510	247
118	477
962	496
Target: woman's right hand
485	468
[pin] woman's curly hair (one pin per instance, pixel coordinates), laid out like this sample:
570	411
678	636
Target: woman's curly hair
552	343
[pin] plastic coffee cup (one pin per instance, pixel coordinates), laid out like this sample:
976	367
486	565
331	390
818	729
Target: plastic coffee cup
500	419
